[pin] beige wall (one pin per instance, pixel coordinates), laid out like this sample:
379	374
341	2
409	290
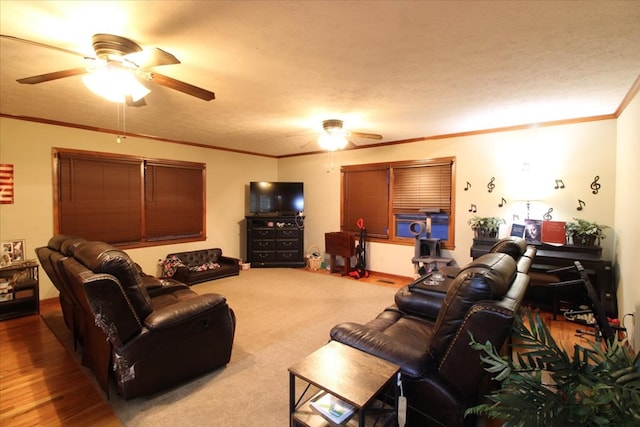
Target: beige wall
28	147
573	153
627	208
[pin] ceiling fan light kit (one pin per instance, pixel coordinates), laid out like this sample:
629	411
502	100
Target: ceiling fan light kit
332	141
115	83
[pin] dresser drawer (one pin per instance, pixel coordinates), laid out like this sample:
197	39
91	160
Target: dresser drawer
288	233
259	256
287	255
292	245
264	245
263	233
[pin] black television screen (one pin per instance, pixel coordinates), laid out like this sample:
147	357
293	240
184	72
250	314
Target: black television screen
281	198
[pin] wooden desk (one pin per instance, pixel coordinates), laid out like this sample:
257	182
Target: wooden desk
342	244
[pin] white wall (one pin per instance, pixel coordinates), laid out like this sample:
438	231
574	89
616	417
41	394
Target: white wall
574	153
627	208
28	147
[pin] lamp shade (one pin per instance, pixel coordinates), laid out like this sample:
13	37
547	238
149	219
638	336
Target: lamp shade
332	141
114	83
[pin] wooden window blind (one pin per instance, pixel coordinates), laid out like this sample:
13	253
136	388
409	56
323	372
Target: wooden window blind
424	186
128	201
366	196
174	201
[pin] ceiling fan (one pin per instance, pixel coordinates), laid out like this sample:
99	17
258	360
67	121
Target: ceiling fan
336	137
120	55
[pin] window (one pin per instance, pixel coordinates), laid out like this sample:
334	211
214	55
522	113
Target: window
391	198
128	200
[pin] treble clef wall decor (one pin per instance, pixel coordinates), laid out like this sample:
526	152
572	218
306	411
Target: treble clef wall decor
491	185
595	185
547	216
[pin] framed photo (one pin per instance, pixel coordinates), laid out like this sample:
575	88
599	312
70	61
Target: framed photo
15	250
533	230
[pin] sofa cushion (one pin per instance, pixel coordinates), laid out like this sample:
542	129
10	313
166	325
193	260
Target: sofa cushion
101	257
487	278
512	246
199	257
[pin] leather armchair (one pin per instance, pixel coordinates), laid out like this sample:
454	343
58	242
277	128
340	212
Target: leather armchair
149	334
441	374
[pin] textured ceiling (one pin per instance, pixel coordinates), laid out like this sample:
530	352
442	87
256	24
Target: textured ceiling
401	69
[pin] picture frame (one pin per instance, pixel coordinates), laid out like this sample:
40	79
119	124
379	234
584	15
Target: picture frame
15	250
533	231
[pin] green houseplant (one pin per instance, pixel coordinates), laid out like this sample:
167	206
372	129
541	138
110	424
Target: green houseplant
546	387
487	226
585	233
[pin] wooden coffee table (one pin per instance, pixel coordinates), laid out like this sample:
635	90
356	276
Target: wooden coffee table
349	374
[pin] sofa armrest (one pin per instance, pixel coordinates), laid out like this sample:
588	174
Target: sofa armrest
415	301
183	311
228	260
413	362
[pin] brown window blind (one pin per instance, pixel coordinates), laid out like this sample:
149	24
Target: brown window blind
128	200
99	198
422	186
174	201
366	195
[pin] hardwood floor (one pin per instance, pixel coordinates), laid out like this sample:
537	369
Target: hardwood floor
41	383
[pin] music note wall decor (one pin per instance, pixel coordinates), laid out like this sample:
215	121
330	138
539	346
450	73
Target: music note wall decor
473	208
559	184
468	186
491	186
595	185
502	202
581	205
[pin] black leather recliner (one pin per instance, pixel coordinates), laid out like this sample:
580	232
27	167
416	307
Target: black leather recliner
442	375
156	334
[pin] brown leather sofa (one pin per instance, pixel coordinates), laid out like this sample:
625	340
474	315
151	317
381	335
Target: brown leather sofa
427	334
148	334
199	266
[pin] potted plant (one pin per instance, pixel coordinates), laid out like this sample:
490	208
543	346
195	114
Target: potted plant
548	387
487	226
585	233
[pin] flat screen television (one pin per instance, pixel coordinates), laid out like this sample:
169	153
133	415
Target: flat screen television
276	198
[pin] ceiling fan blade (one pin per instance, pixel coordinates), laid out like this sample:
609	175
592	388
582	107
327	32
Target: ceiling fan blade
52	76
151	58
350	145
306	144
366	135
183	87
131	103
59	49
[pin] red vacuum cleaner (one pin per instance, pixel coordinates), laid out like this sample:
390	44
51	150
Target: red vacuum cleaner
360	271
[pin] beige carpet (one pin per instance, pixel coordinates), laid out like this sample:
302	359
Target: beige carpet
282	316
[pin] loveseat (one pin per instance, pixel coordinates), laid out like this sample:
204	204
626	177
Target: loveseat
149	334
199	266
427	333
